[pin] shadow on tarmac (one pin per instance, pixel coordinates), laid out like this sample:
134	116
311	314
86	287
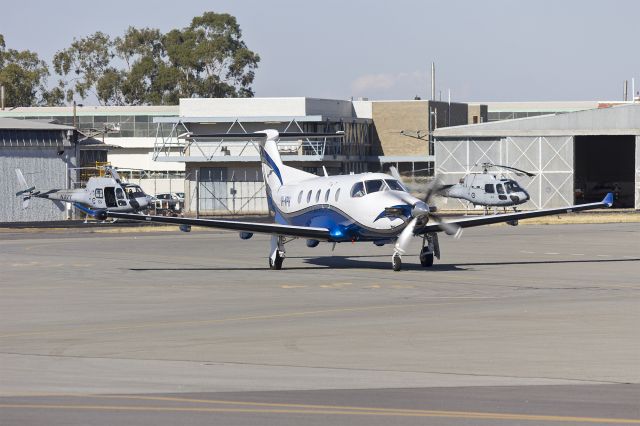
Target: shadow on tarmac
353	262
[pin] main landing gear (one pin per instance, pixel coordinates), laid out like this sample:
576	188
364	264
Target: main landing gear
277	255
430	250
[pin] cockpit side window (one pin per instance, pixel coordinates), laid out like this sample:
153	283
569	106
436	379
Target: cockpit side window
374	185
119	193
500	188
357	190
394	185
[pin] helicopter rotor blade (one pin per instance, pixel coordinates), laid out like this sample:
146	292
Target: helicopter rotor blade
516	170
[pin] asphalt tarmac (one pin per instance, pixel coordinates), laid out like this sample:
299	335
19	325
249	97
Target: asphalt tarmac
526	325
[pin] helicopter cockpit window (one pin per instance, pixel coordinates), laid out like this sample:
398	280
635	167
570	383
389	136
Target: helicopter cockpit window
375	186
134	191
357	190
394	185
488	188
119	193
512	186
500	188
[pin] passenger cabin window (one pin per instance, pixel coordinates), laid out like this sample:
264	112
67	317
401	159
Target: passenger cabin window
337	194
119	193
300	197
488	188
318	195
500	188
309	196
394	185
374	186
357	190
99	193
326	196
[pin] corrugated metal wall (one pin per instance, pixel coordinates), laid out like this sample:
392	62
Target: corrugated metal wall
43	168
550	158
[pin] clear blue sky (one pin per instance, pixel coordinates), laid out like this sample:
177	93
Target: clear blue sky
484	50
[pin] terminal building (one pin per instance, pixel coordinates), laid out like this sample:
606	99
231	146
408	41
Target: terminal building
577	156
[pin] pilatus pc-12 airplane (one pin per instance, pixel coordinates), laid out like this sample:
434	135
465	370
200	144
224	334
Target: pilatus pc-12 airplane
367	207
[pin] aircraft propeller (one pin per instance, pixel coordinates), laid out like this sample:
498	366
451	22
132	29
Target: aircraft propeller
421	212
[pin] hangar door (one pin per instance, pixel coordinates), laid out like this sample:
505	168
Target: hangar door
605	164
550	158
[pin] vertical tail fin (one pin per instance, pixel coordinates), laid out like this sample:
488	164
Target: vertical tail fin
25	190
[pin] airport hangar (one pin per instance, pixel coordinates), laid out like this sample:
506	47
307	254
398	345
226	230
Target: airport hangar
46	152
576	156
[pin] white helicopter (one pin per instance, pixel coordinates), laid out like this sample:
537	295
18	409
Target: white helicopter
101	193
366	207
488	189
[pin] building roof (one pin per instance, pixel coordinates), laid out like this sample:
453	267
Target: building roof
16	124
87	110
617	120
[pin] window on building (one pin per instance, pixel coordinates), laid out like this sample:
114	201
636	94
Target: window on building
488	188
357	190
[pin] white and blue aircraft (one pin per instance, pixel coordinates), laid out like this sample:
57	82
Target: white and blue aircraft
365	207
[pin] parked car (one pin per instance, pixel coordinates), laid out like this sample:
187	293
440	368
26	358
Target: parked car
169	201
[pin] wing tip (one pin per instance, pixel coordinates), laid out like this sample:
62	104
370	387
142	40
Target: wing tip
608	200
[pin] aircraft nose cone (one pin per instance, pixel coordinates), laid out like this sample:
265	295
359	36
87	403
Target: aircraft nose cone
419	209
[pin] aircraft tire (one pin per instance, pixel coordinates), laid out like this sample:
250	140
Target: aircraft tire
396	262
426	258
277	265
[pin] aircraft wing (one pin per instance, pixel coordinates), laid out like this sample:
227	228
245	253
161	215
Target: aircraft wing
468	222
257	227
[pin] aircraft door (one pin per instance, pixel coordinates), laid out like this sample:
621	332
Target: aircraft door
110	196
120	196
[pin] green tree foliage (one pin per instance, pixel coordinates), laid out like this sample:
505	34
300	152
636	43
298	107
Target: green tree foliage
24	77
206	59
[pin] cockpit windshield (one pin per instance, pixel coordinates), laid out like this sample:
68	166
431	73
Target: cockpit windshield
134	191
512	186
376	185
